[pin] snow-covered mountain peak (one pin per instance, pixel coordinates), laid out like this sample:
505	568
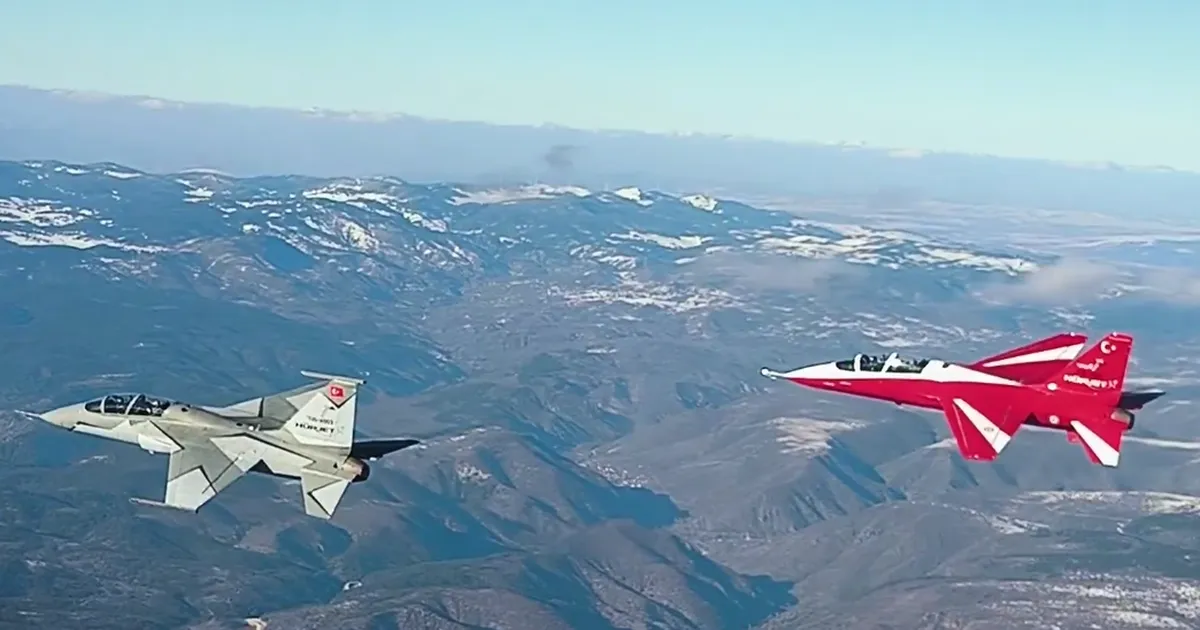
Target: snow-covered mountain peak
351	194
122	174
863	245
114	171
701	202
40	212
490	196
398	223
634	194
74	241
686	241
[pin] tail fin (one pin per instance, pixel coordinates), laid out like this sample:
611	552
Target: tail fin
1036	362
325	413
1100	370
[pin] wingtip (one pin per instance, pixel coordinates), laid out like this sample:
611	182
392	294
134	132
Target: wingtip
768	373
161	504
323	376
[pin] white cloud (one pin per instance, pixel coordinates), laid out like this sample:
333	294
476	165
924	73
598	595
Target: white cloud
772	273
1077	281
1171	285
1064	282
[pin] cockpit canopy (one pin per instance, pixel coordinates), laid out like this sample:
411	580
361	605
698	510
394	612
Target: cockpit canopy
128	405
882	363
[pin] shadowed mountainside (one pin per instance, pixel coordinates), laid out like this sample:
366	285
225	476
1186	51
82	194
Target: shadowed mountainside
599	450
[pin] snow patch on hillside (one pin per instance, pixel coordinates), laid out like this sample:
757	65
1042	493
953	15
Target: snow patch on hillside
686	241
512	195
73	241
807	435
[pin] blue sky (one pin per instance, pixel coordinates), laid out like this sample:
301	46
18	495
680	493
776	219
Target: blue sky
1085	80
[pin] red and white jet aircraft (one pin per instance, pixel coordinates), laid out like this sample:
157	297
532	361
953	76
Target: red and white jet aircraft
1047	383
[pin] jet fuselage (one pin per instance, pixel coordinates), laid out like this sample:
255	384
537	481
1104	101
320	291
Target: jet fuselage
283	457
938	380
1047	383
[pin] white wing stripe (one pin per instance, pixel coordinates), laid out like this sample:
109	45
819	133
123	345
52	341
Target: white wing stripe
1054	354
995	437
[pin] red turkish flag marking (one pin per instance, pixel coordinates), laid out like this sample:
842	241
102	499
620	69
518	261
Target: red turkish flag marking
337	394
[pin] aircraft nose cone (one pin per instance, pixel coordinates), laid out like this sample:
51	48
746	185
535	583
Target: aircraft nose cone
65	417
797	375
806	372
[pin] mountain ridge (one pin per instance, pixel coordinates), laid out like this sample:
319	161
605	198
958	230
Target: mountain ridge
582	367
92	128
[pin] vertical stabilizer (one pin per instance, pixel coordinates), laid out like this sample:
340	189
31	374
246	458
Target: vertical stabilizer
1035	362
1100	370
325	415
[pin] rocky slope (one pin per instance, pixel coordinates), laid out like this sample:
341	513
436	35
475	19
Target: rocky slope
599	449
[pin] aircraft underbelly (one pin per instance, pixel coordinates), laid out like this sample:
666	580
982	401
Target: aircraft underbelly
897	391
145	435
263	468
284	465
276	460
121	432
323	479
264	453
155	444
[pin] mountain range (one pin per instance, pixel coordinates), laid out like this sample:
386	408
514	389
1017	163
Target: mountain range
581	364
162	135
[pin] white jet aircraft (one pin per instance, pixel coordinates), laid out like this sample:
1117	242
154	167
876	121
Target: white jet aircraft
305	433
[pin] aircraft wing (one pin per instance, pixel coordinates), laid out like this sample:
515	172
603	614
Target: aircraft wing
982	427
197	472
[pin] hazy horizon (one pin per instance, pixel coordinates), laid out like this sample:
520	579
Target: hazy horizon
1073	81
153	101
158	135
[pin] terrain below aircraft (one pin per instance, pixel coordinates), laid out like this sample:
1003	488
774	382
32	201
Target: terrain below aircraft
1047	383
305	433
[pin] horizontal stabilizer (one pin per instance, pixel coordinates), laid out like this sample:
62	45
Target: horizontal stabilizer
1101	439
322	493
374	449
1136	400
